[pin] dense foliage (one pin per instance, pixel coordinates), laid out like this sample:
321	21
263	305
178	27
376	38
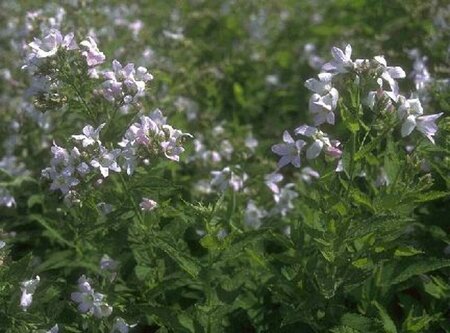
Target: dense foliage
210	166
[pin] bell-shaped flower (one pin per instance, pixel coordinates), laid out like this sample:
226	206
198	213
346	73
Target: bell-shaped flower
50	44
90	301
289	151
322	107
28	288
120	326
321	86
389	74
342	62
271	180
92	54
107	161
424	124
321	142
90	135
148	205
253	215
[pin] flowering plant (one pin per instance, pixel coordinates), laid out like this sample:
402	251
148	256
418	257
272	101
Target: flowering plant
213	167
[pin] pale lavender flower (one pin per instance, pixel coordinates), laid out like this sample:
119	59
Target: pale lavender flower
289	151
284	200
389	74
227	178
382	178
108	264
28	288
410	107
6	199
107	161
253	215
307	174
148	205
342	62
424	124
90	135
124	83
62	181
272	180
321	141
54	329
90	301
324	100
92	54
322	107
120	326
50	44
250	142
420	72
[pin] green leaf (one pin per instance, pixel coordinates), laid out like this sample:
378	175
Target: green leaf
360	322
52	231
142	272
185	262
406	251
399	271
431	195
350	121
388	324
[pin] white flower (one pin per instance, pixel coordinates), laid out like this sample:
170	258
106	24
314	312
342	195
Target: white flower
107	161
321	141
124	84
62	181
6	199
342	62
92	54
389	74
148	204
322	107
227	178
284	200
410	107
28	288
120	326
307	174
90	301
90	135
271	181
253	215
321	86
289	151
324	100
250	142
424	124
106	263
50	44
54	329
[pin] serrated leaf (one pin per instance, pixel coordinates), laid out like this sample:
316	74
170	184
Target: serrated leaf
388	324
431	195
185	262
399	271
360	322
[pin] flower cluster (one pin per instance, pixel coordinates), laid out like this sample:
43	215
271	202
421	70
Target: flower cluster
324	101
151	134
69	166
225	178
124	85
50	44
89	301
